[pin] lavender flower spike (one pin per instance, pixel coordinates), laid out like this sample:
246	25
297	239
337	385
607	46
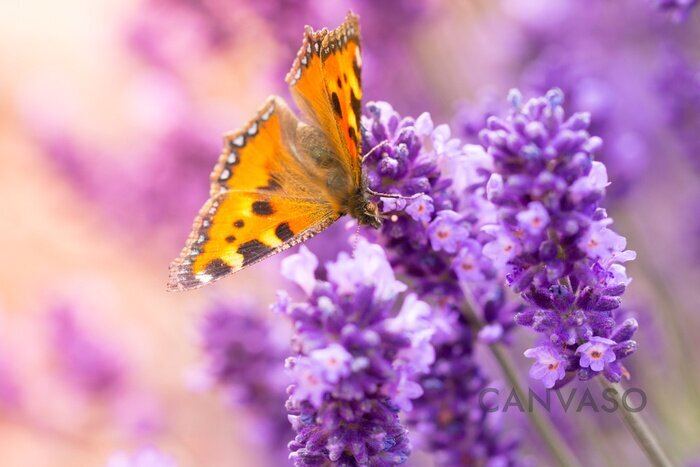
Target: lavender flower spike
360	355
554	239
436	241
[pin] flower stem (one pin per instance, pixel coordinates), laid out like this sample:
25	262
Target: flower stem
638	427
557	445
549	434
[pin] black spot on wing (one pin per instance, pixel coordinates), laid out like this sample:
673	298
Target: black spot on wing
355	103
230	239
217	268
358	71
336	105
283	231
353	134
262	208
239	224
340	83
252	251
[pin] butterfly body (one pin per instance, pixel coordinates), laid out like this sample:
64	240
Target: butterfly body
281	180
362	208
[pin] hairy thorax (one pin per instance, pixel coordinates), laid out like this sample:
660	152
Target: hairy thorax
340	183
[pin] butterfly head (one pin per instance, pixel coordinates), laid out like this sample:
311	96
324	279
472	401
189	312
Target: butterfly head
370	215
364	210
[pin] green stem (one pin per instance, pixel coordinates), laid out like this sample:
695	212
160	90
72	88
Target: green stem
557	445
638	427
549	434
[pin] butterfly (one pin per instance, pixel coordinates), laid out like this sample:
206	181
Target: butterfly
281	180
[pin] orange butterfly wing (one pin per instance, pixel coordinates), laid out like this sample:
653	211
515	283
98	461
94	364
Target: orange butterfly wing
265	198
236	229
325	80
279	181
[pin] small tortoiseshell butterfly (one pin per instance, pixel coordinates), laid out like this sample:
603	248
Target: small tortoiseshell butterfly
280	181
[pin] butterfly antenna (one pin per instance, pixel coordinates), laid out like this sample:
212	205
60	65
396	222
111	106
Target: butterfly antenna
394	195
385	195
369	153
382	144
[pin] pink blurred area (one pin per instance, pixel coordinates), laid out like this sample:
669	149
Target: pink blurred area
111	116
67	70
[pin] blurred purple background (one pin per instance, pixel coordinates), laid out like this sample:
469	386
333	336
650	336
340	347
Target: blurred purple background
111	120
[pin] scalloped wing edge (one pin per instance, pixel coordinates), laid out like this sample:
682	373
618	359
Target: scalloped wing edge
180	274
237	139
322	43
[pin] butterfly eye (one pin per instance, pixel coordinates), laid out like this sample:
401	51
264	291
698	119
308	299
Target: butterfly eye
371	208
369	215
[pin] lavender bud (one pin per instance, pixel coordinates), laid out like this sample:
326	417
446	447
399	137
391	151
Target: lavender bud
626	330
